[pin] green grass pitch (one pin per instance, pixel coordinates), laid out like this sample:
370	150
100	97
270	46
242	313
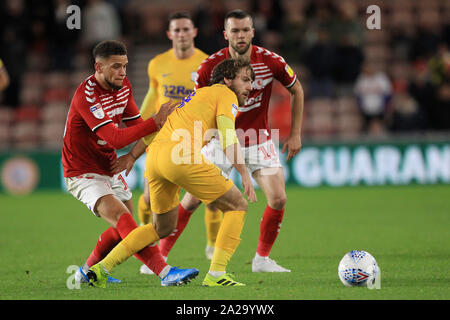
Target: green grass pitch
405	228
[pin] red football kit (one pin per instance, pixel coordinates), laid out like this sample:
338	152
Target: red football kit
92	133
253	115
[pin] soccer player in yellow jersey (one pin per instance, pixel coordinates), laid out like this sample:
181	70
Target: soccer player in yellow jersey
175	161
172	76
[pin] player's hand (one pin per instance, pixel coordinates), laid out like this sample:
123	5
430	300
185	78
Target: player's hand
293	145
124	162
249	191
165	110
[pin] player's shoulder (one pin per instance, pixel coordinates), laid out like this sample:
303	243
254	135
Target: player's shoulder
87	91
199	53
162	57
267	56
216	57
217	90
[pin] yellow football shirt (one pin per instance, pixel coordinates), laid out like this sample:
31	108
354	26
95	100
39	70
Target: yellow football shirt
170	77
194	121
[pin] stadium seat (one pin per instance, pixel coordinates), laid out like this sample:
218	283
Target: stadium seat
25	135
27	113
51	135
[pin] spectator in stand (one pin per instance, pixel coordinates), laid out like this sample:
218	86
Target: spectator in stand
443	106
63	40
406	114
349	59
320	60
4	77
373	90
209	20
100	21
14	36
421	89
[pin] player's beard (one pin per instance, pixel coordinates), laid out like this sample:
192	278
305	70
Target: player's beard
242	100
241	51
112	85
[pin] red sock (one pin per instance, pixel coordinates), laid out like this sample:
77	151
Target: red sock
150	255
269	228
166	244
105	243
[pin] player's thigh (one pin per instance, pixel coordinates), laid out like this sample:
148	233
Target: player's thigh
90	188
204	181
189	202
232	200
122	191
110	208
164	195
146	192
271	182
163	192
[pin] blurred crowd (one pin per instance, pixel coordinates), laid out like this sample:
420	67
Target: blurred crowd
358	82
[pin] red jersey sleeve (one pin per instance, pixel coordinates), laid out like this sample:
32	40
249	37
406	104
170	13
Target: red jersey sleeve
280	69
203	74
120	138
90	109
206	68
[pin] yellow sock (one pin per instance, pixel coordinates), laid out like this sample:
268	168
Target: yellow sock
135	241
144	211
213	219
227	240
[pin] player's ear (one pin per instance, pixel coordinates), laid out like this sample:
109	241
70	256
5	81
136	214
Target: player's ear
227	82
225	34
98	67
195	32
168	35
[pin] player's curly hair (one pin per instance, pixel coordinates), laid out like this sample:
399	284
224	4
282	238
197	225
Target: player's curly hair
228	69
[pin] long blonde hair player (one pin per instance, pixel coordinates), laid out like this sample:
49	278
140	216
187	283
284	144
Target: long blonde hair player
172	76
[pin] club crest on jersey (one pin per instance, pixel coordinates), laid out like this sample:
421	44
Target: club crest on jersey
97	111
234	109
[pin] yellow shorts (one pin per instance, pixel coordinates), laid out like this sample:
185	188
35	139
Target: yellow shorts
166	177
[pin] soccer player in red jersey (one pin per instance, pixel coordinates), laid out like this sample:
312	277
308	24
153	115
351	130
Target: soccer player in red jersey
92	134
253	132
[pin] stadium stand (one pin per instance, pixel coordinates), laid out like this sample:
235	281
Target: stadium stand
325	41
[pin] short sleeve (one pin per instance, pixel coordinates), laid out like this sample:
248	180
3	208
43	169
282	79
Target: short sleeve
281	70
90	109
203	76
227	103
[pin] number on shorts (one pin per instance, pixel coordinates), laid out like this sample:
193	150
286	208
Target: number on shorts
123	181
268	155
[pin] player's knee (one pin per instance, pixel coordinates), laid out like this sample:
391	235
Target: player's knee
164	230
277	202
240	204
190	203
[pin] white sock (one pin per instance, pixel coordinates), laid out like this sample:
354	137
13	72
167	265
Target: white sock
216	274
164	271
258	257
85	268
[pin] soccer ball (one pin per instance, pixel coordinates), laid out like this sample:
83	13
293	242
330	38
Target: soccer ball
359	268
